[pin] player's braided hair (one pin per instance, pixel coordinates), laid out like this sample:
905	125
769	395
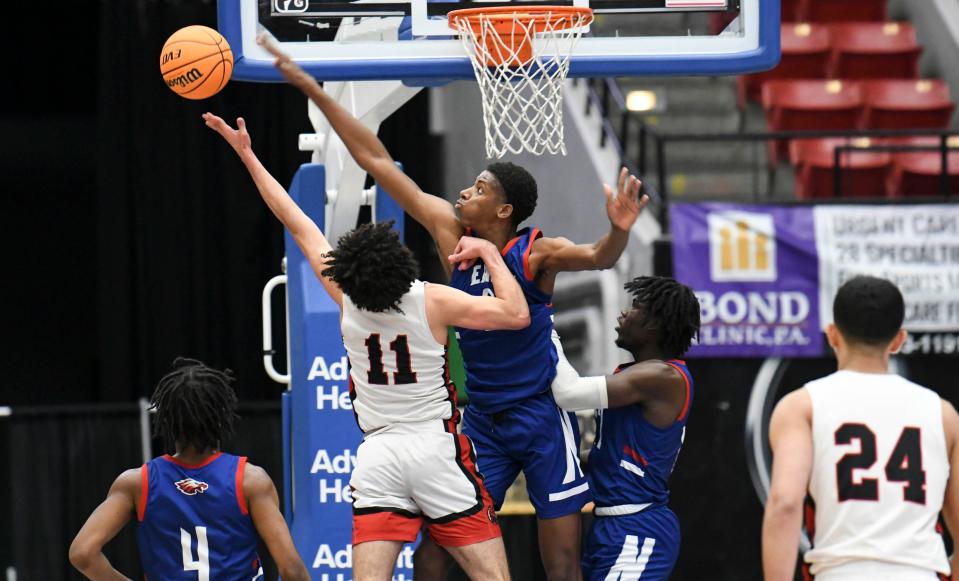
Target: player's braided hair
519	189
195	406
672	307
372	267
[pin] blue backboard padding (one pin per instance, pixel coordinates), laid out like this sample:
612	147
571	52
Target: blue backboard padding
320	433
764	57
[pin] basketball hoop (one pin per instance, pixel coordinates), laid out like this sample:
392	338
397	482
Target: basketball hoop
520	58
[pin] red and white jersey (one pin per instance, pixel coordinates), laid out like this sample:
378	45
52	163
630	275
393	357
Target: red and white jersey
397	369
880	466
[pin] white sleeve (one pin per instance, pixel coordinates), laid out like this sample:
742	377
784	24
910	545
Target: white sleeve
572	392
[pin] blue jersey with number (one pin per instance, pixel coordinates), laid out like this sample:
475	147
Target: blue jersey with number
632	459
505	367
194	522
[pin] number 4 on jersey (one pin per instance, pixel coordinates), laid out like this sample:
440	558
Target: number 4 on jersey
904	464
202	563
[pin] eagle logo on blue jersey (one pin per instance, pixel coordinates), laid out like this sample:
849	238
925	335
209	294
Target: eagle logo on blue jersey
191	487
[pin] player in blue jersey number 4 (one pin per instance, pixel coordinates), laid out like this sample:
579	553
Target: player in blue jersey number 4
511	417
199	511
638	437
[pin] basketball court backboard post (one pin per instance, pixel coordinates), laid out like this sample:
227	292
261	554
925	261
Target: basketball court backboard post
371	102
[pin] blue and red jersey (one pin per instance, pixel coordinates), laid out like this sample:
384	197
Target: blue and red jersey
194	522
505	367
631	459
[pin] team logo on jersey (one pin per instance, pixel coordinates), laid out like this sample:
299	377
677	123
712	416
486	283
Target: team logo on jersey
191	487
742	247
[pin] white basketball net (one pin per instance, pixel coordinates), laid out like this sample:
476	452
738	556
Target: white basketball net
522	97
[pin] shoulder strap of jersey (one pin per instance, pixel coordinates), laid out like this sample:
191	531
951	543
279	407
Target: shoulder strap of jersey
240	496
680	366
534	234
144	492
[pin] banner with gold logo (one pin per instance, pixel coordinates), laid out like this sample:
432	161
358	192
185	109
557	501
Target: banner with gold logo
755	272
766	275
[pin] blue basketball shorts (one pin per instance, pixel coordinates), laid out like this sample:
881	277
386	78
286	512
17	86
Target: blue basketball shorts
635	547
540	439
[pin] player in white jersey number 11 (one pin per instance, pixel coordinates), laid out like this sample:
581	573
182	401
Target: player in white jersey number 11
412	466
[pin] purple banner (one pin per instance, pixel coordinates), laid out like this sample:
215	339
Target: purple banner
756	274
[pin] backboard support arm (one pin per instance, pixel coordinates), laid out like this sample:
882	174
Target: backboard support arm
372	102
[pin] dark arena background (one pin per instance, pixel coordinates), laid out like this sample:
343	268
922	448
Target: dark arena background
132	235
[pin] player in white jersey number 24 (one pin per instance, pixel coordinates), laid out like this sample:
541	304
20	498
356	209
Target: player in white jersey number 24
877	454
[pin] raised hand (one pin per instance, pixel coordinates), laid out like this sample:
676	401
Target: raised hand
291	71
468	250
623	209
238	139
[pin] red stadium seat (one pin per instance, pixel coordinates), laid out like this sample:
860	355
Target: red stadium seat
864	173
792	10
918	173
793	105
805	55
843	10
906	104
874	50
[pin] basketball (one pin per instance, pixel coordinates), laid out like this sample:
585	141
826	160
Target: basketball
196	62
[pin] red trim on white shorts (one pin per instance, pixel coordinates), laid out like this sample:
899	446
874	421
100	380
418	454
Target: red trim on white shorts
385	524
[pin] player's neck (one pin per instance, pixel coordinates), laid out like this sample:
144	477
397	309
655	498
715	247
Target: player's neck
861	362
498	233
190	455
648	353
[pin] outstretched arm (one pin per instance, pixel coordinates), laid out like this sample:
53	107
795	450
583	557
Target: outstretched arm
559	254
86	551
643	382
507	309
790	435
435	214
304	230
262	500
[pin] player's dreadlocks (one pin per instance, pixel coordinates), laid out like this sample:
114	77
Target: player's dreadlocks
195	406
519	189
372	267
672	307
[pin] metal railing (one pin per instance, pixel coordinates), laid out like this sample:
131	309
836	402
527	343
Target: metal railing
652	143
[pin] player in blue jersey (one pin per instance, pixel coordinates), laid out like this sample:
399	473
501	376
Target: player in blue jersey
635	534
200	510
511	418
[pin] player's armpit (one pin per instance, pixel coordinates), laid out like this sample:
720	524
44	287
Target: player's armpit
86	551
264	507
790	435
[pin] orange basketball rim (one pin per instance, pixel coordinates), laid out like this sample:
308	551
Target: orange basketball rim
504	34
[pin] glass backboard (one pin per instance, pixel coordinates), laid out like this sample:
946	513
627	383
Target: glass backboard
412	40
